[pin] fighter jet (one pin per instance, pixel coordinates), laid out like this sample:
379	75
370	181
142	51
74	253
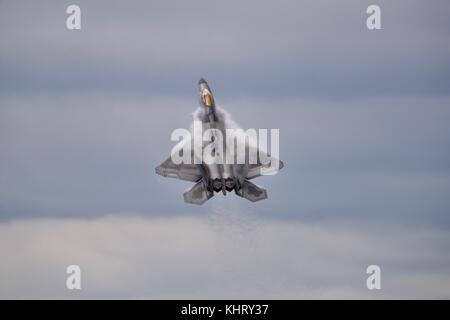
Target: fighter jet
219	176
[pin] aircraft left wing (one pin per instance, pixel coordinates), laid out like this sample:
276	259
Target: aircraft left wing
188	172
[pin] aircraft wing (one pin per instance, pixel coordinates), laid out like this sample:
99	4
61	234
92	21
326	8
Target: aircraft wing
189	172
265	165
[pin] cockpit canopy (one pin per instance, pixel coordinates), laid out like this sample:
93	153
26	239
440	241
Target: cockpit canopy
207	98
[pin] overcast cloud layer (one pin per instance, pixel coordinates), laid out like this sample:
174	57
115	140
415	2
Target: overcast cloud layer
223	255
85	116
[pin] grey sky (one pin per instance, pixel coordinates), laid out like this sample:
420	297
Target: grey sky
85	116
302	48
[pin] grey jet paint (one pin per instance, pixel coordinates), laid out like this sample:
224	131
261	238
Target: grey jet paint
218	177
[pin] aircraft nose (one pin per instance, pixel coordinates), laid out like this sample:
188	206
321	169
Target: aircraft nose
201	81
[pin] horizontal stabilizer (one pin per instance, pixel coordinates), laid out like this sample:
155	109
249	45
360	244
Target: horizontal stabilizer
198	194
251	191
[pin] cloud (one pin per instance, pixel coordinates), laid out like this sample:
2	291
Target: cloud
221	255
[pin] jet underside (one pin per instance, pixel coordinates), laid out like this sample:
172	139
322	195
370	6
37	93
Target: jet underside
218	176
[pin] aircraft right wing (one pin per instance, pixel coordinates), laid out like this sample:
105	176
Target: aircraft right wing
266	167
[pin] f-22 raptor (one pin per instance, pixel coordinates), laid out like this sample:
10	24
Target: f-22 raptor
219	176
